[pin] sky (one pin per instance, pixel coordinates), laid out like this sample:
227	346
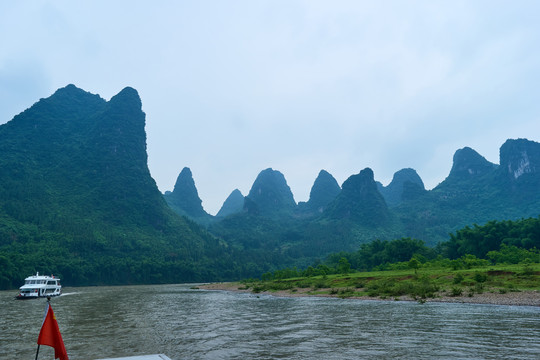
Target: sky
231	88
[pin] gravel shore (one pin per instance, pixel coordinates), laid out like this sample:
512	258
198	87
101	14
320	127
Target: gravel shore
522	298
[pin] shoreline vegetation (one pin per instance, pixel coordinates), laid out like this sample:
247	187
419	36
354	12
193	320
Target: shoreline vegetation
496	285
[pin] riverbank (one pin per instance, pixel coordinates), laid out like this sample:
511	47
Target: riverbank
488	296
494	284
521	298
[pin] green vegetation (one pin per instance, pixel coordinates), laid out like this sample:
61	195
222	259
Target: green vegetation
407	253
430	282
381	268
480	240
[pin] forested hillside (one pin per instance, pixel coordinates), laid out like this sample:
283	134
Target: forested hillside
77	199
497	242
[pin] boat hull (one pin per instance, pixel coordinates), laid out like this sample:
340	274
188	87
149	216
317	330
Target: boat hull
20	297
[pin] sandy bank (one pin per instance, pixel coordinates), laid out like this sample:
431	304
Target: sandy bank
522	298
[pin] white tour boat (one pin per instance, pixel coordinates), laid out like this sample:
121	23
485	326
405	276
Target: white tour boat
37	286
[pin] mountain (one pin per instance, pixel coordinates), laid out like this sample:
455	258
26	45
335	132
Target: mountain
477	191
270	195
77	198
232	205
518	176
360	201
74	145
520	159
324	190
282	235
184	199
406	184
468	163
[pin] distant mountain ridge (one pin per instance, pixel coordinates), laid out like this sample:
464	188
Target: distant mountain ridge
475	191
518	157
77	198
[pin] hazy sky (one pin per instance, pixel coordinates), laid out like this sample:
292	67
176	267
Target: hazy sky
231	88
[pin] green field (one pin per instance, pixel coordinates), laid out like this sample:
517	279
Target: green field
417	284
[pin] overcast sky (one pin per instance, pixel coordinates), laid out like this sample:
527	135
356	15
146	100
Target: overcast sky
231	88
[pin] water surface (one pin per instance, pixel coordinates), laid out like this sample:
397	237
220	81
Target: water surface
183	323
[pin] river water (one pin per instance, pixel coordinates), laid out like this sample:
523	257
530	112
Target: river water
185	323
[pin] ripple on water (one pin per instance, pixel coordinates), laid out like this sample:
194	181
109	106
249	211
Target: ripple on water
190	324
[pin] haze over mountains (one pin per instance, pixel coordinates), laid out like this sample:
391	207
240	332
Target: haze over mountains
341	218
76	198
475	190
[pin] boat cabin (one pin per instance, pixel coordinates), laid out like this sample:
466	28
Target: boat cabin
37	286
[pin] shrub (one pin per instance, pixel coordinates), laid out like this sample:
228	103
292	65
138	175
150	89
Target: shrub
480	277
479	288
347	292
359	284
319	284
456	291
424	288
280	286
402	288
380	287
458	278
302	284
527	268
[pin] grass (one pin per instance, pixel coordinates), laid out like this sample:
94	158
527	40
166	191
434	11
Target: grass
425	283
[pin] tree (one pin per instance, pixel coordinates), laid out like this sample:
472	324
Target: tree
344	267
414	264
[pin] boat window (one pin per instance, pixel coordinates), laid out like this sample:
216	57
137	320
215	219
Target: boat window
29	291
51	282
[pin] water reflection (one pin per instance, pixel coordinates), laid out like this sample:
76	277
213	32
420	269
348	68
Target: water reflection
192	324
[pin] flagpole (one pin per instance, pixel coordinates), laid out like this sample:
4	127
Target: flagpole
48	304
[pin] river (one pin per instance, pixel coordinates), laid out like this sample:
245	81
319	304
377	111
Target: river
185	323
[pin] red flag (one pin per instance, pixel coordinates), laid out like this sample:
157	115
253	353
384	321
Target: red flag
50	335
